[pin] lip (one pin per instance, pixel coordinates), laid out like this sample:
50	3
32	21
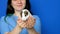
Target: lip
19	5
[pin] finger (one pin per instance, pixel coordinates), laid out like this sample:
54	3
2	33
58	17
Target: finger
23	25
6	33
19	23
19	20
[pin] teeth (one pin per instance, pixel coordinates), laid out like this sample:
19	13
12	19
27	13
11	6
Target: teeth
25	14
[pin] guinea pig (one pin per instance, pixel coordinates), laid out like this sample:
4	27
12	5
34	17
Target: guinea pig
25	14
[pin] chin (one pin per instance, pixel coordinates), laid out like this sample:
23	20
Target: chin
19	9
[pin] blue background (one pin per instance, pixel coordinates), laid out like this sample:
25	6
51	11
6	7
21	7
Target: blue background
47	10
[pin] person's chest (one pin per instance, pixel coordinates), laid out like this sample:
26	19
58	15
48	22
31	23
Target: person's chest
12	24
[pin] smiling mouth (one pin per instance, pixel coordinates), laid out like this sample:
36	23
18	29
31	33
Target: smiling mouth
19	5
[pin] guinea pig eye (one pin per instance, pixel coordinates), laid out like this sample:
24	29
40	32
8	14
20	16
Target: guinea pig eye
26	13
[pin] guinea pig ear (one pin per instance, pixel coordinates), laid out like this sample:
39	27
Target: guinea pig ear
21	13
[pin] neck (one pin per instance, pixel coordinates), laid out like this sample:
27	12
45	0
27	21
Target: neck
17	13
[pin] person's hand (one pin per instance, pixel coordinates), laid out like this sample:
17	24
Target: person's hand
30	22
21	23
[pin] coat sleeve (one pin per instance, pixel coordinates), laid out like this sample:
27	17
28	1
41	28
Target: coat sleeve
3	26
37	25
